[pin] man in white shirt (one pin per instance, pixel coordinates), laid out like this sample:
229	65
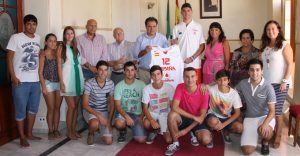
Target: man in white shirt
23	62
189	35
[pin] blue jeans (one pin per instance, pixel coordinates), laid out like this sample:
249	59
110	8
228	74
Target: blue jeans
26	98
137	129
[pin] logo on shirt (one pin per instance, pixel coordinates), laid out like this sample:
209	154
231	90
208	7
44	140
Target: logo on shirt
195	31
168	68
153	96
261	96
30	57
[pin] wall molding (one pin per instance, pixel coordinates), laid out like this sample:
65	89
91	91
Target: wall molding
238	40
75	13
83	27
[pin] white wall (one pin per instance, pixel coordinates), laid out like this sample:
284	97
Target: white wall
237	15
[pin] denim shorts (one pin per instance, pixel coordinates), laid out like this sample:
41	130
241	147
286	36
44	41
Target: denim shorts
26	98
51	86
137	129
185	122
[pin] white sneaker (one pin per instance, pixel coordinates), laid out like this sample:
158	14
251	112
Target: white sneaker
194	140
171	149
210	145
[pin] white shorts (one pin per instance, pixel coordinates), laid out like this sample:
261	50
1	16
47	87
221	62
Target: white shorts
103	130
250	134
162	120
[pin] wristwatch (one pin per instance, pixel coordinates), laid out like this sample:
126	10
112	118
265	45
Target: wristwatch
284	81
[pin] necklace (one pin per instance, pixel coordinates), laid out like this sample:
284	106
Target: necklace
267	55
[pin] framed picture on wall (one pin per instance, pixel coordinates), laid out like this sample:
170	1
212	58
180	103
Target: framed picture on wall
210	8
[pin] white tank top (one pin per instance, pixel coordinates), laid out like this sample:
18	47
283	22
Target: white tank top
274	64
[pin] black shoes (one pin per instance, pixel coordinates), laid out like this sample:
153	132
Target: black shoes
264	149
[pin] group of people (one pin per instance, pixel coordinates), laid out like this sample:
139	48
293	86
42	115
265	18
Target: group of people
243	94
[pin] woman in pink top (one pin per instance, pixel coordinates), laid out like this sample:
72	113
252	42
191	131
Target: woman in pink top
217	53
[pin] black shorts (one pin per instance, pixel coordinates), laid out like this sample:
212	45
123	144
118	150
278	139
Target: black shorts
185	122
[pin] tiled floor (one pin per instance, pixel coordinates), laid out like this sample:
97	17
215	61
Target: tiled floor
79	147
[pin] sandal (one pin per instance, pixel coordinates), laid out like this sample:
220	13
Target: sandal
57	134
51	136
24	143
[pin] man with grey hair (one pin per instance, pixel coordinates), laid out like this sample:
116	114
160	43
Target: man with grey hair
119	52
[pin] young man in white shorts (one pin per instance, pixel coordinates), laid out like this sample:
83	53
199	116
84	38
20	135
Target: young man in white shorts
260	100
156	100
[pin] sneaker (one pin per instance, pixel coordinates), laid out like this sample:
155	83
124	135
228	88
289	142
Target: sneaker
150	138
122	137
264	149
210	145
171	149
194	141
226	138
90	139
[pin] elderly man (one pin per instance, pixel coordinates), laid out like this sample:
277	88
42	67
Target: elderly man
119	53
92	47
144	45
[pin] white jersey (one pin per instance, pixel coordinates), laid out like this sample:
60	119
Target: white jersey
170	60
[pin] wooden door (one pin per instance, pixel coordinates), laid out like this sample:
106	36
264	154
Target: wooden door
10	23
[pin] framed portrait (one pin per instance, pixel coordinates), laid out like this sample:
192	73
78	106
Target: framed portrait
210	8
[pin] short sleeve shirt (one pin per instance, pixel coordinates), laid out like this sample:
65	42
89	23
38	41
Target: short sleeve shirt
158	100
189	39
221	104
256	99
191	103
130	96
98	96
26	56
